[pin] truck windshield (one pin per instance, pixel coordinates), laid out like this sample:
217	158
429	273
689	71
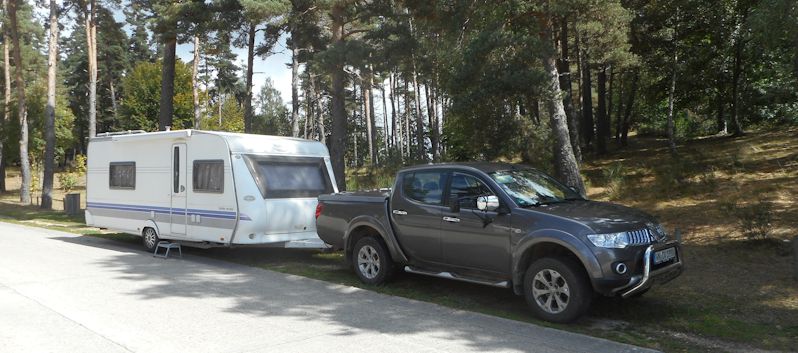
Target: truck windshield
529	187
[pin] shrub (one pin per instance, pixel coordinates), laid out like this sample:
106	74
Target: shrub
68	181
614	177
755	220
80	164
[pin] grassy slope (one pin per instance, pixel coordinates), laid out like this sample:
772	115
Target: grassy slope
736	295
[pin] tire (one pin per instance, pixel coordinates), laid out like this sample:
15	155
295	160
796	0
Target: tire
557	289
150	239
371	261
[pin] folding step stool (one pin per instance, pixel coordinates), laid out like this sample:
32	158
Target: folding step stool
168	246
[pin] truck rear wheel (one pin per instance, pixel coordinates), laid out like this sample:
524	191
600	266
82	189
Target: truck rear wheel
150	239
557	289
372	262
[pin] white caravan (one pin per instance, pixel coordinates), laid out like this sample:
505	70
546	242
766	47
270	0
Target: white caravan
207	188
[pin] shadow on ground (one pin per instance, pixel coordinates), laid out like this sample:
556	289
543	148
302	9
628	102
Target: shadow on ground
306	302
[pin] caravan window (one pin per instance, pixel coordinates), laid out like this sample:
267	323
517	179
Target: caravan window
208	176
122	175
288	177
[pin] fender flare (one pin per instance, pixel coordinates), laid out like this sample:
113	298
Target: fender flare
566	240
385	233
150	224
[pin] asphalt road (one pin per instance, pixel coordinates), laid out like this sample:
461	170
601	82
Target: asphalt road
65	293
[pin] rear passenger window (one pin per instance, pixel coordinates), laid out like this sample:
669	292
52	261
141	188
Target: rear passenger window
208	176
425	187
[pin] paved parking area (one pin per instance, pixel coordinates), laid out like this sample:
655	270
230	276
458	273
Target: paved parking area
65	293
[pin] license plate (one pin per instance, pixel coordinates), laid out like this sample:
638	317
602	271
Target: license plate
664	255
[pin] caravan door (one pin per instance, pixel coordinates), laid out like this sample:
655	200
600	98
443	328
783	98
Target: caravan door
178	187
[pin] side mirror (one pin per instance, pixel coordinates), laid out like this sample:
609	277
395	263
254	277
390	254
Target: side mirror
488	203
454	204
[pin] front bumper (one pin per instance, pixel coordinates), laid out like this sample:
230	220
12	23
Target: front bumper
653	273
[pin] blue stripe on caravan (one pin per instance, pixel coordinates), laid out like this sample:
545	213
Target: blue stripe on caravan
167	210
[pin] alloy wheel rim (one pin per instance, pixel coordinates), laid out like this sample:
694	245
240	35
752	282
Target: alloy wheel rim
368	262
551	291
149	237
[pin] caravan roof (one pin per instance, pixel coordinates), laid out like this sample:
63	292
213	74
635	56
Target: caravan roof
238	143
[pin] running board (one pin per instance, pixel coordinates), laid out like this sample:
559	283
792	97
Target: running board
447	275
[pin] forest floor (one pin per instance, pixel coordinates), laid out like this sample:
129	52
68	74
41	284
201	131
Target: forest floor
737	294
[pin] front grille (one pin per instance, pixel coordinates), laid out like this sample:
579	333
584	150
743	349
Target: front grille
640	237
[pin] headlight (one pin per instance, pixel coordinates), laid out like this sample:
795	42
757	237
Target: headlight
609	240
658	230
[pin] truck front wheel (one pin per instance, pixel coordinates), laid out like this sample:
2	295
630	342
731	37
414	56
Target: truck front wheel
557	289
372	262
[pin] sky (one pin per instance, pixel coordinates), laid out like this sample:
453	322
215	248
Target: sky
275	66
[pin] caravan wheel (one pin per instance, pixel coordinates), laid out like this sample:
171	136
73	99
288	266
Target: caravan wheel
150	238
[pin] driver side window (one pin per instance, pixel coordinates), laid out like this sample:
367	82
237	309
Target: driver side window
467	188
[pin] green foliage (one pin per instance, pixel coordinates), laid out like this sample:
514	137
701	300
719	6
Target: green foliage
272	117
80	165
139	108
229	118
68	181
70	177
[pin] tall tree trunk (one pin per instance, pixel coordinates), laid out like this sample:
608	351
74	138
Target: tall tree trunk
721	118
671	97
375	131
393	110
91	46
602	122
433	131
369	117
6	96
567	166
738	61
587	99
619	113
610	103
564	68
338	136
627	118
114	104
319	110
248	88
436	129
407	120
195	84
295	90
22	111
385	132
168	83
49	123
421	151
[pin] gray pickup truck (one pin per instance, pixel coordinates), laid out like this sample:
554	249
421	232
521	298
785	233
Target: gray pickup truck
502	225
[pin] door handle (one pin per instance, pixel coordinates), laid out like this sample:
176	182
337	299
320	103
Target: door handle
452	219
182	188
400	212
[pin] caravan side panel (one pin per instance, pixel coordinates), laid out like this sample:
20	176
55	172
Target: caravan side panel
138	190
